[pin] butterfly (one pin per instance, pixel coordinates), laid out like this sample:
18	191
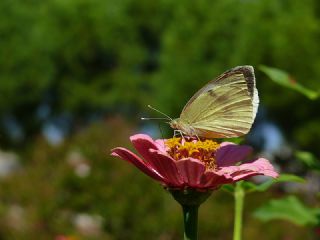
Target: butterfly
224	108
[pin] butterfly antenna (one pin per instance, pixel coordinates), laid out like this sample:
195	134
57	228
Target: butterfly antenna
166	116
143	118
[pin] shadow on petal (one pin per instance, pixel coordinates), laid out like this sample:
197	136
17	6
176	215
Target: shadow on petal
191	171
230	153
166	166
214	180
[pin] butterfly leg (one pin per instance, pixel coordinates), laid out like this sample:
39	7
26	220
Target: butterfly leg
181	133
195	133
197	137
175	132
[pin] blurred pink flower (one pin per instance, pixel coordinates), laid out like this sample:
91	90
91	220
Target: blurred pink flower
181	163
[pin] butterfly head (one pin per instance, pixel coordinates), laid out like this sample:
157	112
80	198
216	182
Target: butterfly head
175	123
181	125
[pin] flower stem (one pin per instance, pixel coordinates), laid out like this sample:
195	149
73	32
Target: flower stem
190	219
190	200
239	200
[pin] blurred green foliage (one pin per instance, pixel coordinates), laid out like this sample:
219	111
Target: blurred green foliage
50	193
85	57
289	208
309	160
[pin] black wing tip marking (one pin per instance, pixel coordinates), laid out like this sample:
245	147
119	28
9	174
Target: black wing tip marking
248	73
246	70
244	67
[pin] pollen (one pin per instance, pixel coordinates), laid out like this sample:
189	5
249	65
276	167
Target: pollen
203	150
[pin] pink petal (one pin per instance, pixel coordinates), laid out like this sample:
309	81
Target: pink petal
214	180
191	171
262	166
143	143
166	167
230	153
259	167
126	155
161	144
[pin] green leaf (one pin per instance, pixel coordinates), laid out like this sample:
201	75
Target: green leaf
289	178
251	187
228	188
308	159
290	209
283	78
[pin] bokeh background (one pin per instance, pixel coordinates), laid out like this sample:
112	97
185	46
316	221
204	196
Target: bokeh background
77	75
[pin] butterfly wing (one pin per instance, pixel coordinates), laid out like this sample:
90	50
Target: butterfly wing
225	107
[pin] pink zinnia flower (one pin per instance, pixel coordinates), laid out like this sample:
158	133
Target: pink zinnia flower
182	163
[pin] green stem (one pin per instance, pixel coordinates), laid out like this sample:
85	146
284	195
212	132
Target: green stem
190	200
239	200
190	219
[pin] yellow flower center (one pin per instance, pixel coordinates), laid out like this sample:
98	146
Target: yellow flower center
179	148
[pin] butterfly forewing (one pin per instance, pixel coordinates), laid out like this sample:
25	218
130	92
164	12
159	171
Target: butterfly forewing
225	107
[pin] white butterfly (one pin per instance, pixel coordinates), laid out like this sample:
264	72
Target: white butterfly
225	107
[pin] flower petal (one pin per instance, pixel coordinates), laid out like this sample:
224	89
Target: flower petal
166	167
191	171
126	155
161	143
143	143
214	180
260	166
230	153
